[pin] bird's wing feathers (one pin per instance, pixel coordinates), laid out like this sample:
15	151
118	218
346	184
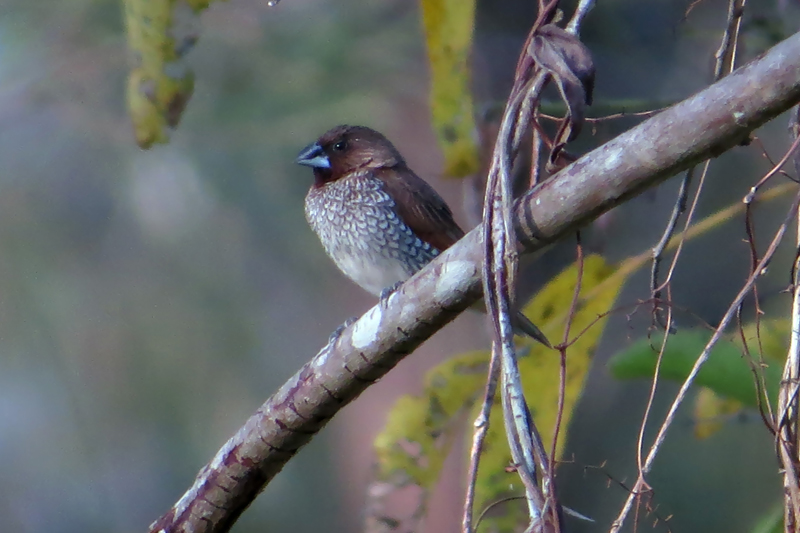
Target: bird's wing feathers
421	207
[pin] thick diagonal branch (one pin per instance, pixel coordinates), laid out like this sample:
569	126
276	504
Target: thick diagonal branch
700	127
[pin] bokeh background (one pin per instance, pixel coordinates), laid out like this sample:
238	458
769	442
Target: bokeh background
150	301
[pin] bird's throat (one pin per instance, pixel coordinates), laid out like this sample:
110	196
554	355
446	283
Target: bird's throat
322	176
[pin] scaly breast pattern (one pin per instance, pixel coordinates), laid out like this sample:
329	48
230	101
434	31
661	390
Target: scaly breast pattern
357	224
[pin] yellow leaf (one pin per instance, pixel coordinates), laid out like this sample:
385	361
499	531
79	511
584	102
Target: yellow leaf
419	429
160	34
550	309
448	33
540	378
710	411
774	338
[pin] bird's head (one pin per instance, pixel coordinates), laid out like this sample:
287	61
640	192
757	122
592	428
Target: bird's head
347	150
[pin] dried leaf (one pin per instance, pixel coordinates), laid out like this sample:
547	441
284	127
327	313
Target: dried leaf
570	64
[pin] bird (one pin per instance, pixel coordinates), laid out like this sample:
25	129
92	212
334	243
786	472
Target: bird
378	221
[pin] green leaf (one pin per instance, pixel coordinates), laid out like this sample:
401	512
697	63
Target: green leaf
726	372
771	522
448	32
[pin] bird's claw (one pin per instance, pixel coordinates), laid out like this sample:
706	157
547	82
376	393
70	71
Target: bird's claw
338	331
388	291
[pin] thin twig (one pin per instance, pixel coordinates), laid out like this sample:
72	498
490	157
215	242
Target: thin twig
651	399
788	409
756	271
755	139
777	168
478	438
584	6
689	218
610	479
765	409
787	434
536	156
727	48
526	115
500	266
774	170
681	396
499	273
730	38
689	9
562	378
658	251
612	116
751	239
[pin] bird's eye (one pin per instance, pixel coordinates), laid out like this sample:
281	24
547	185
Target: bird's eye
340	146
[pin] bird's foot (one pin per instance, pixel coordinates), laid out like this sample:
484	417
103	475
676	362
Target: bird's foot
388	291
338	331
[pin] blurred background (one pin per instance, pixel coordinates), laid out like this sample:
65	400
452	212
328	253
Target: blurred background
150	301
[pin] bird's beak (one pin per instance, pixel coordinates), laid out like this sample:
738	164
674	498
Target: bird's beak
313	156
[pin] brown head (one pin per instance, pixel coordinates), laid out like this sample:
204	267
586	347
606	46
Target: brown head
348	149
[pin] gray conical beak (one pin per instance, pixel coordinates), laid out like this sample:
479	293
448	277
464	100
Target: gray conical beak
313	156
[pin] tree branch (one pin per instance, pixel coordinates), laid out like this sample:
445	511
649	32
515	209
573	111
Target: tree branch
700	127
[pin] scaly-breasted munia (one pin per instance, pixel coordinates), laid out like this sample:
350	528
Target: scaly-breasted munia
377	220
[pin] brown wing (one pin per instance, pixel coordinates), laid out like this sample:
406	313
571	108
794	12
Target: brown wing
420	207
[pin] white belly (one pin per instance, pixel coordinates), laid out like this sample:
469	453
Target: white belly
373	274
